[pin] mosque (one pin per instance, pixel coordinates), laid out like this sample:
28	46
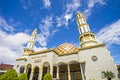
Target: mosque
68	62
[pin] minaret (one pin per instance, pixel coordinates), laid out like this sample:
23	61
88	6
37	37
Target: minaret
31	43
87	38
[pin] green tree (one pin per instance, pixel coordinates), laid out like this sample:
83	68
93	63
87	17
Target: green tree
47	76
108	74
11	74
23	76
2	77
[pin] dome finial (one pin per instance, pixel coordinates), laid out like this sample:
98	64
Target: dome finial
78	12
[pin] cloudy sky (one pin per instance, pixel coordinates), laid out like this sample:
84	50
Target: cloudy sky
56	24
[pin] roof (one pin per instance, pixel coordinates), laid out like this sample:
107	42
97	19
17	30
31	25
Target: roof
62	49
5	66
66	48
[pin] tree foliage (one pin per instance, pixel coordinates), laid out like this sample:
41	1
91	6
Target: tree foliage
23	76
108	74
47	76
11	74
2	77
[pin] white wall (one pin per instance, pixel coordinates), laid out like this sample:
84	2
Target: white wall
93	69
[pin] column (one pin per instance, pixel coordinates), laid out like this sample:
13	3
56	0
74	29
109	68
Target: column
88	28
41	71
31	75
25	69
39	74
18	71
69	78
57	72
90	36
82	72
51	70
84	39
82	29
48	69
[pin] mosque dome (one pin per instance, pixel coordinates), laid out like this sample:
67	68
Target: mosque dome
66	48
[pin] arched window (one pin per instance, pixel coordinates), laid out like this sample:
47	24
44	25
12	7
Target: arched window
46	68
63	71
29	68
22	69
75	70
36	73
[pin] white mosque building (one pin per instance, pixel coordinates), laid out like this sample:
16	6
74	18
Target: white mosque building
67	62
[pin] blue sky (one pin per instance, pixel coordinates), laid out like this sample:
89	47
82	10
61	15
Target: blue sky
56	24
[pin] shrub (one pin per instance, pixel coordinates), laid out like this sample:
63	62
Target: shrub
47	76
23	76
2	77
11	74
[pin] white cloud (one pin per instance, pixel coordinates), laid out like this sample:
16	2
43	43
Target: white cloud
67	15
25	4
72	6
110	34
4	25
42	39
16	39
11	46
60	21
47	30
91	4
47	3
54	31
7	55
63	19
46	26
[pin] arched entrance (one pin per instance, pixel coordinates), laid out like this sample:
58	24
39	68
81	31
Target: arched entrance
46	68
36	73
22	69
29	68
63	71
75	70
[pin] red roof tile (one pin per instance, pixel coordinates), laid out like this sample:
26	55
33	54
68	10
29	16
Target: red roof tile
5	66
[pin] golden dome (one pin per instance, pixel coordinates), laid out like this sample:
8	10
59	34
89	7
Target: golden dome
66	48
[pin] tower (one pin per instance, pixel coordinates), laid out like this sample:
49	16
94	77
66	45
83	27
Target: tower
31	43
87	38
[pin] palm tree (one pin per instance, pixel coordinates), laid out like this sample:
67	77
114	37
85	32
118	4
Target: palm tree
108	74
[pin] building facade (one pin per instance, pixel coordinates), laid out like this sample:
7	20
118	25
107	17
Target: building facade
67	62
